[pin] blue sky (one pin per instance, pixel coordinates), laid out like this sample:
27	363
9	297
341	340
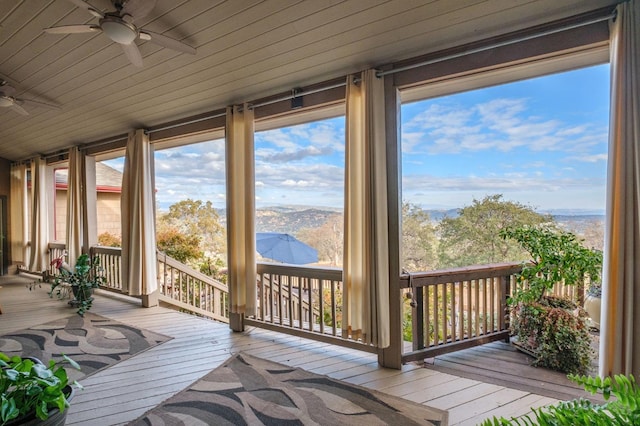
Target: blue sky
542	142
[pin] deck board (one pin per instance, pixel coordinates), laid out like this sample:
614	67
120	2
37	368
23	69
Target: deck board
501	364
128	389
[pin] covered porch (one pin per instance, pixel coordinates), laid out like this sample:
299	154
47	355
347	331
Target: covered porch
279	319
126	390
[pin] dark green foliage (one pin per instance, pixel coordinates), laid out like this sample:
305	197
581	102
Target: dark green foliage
83	278
622	411
553	329
556	257
28	387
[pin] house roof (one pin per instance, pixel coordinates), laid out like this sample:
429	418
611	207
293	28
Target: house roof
108	179
246	50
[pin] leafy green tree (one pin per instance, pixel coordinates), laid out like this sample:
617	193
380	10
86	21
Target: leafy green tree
473	238
182	247
419	243
196	218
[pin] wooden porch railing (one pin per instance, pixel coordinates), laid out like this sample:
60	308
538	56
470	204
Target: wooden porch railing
179	285
454	309
303	301
111	263
191	290
458	308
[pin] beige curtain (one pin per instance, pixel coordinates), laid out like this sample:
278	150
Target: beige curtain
75	202
39	220
366	268
620	322
18	209
241	245
138	217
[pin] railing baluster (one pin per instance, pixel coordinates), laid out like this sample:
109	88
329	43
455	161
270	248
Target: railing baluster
334	310
453	312
460	314
418	329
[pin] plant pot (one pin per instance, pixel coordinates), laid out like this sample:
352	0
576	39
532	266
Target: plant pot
56	418
592	305
82	293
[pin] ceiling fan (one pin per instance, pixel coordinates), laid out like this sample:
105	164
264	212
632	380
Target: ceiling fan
7	100
119	27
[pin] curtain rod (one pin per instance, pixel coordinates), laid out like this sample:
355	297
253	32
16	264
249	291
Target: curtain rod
298	94
186	123
497	45
251	106
103	142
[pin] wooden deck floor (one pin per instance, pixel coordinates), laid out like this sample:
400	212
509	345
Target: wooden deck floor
126	390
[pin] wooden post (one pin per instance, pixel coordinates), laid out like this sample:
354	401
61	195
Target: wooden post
392	356
150	300
236	321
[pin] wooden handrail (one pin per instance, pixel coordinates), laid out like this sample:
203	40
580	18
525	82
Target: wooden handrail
317	272
173	263
465	273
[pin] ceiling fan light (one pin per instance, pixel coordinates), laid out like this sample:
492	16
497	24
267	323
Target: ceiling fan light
118	30
5	101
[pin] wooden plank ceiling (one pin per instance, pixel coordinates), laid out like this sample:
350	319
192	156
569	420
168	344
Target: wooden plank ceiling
246	49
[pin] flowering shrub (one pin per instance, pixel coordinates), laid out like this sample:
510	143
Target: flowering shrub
556	332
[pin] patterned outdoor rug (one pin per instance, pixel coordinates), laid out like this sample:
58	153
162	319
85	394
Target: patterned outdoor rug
246	390
93	341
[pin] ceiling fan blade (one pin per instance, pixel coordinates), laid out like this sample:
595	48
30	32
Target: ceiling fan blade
138	9
73	29
86	6
133	54
17	108
30	102
165	41
6	89
6	81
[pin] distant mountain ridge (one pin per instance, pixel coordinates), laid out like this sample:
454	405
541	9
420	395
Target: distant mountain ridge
291	221
291	218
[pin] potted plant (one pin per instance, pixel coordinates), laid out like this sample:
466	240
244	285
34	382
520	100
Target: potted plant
82	279
552	329
32	393
592	302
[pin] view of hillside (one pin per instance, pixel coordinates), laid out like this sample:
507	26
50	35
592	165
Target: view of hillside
291	219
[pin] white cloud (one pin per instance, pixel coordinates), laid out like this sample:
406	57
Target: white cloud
493	184
297	183
499	124
594	158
